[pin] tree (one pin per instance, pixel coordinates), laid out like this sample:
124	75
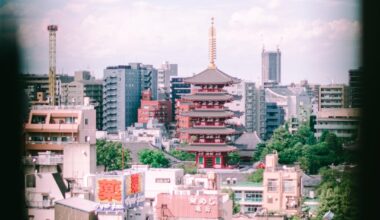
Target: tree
257	176
110	154
233	158
182	155
257	154
339	193
154	158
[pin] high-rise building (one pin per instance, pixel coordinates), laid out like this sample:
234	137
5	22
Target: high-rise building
255	109
177	89
84	85
122	87
333	96
274	118
271	66
355	83
165	73
207	133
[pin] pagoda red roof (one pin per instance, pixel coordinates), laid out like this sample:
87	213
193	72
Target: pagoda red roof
214	131
208	97
208	114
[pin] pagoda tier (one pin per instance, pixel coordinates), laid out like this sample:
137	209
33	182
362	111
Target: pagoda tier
203	126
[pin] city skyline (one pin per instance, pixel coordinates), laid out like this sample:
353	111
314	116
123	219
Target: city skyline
319	40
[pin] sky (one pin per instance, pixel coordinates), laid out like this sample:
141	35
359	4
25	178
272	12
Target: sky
319	39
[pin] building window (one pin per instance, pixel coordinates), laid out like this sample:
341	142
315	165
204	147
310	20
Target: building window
217	160
200	160
31	181
254	196
86	121
272	185
250	208
289	186
238	195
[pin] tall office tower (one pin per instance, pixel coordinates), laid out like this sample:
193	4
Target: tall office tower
84	85
177	89
122	87
255	109
206	132
271	66
333	96
165	72
355	83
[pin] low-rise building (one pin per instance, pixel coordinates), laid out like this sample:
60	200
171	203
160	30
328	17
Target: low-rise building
154	109
282	187
75	208
151	132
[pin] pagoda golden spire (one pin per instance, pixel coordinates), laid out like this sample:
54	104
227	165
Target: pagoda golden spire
212	45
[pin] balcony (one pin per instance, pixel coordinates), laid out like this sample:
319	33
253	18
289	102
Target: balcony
46	204
71	128
43	160
208	124
210	141
209	107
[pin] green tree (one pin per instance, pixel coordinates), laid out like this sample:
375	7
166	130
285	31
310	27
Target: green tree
257	176
233	158
291	154
154	158
257	154
110	153
339	193
182	155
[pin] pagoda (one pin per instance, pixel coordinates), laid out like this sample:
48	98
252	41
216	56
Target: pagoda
202	125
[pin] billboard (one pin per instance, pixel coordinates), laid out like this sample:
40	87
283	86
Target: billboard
109	193
116	193
134	190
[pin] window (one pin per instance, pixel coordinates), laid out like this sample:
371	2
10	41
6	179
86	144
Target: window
272	185
250	208
86	121
200	160
254	196
217	160
31	181
289	186
238	195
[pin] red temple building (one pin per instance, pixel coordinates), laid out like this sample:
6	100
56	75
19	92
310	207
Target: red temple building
159	109
202	125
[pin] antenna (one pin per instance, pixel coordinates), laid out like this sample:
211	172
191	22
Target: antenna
212	45
52	61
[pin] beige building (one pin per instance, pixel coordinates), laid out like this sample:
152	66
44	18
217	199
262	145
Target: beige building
282	187
344	122
333	96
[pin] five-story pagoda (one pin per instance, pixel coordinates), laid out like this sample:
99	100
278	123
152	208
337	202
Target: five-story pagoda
203	127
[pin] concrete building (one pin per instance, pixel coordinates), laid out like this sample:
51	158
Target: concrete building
75	208
191	203
151	132
271	66
177	89
84	85
154	109
356	87
282	187
122	87
36	87
165	72
248	194
237	105
255	110
274	118
344	122
333	96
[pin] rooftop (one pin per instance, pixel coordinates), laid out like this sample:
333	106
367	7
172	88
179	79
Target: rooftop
205	97
283	91
208	114
248	140
207	149
215	131
78	203
212	76
245	184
